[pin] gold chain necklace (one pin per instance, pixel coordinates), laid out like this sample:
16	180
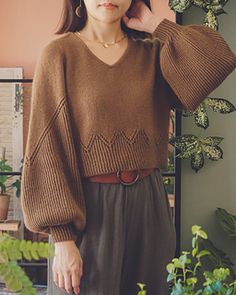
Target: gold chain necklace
104	44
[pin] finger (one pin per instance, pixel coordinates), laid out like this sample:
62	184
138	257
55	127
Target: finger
75	278
61	283
68	284
155	6
76	290
55	278
152	4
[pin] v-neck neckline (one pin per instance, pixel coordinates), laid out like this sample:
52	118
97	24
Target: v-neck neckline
119	61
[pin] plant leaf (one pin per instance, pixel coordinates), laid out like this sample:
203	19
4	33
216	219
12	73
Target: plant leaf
187	143
203	253
197	161
183	141
212	140
220	105
200	4
227	222
180	5
213	153
195	229
201	117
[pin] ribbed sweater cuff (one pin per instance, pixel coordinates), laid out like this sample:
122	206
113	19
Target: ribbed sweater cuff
62	232
165	29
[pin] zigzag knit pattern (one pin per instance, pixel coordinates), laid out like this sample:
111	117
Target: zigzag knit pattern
121	151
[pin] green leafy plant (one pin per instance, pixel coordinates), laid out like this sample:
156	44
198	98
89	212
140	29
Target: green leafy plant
212	9
12	250
218	258
141	291
205	269
191	146
196	148
217	105
4	167
227	222
188	276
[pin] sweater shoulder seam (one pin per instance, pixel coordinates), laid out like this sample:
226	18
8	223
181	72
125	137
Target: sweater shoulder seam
30	158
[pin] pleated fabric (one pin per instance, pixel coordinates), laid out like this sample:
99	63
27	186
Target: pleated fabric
129	238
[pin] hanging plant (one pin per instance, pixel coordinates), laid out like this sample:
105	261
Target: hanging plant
189	145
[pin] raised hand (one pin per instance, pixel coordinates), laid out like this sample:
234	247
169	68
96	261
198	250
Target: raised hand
141	18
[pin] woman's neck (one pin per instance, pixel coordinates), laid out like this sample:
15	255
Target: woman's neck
100	31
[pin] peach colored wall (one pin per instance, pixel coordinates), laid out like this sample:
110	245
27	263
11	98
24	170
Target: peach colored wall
27	25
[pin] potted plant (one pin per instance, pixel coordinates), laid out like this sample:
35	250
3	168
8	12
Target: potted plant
4	196
189	277
204	270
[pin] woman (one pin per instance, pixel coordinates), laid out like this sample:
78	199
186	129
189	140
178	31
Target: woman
98	136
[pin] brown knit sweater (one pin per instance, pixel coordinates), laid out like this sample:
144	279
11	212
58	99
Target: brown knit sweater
89	118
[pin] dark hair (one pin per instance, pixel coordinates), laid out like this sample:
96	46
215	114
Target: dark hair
70	22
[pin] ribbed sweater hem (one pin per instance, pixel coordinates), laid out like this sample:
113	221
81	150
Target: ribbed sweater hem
62	233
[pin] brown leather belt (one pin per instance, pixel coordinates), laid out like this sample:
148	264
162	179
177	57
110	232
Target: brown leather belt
126	177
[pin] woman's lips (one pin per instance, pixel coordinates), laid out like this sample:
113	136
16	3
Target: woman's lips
108	5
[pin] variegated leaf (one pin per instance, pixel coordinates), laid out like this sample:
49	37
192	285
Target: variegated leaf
184	142
212	140
216	7
200	3
197	161
210	20
220	105
200	116
186	154
212	152
180	5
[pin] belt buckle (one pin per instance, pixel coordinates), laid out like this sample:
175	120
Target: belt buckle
128	183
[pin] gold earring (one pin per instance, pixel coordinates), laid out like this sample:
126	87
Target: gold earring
77	10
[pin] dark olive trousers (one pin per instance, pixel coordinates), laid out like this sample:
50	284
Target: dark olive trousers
129	238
